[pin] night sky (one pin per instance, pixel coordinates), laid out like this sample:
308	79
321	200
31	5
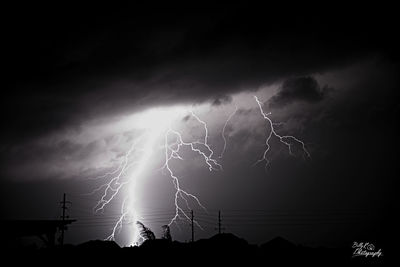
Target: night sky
79	84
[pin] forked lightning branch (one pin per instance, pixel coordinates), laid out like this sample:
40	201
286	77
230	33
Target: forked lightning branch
136	159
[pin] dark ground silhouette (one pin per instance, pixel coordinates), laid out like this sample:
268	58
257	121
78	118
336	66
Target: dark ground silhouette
222	249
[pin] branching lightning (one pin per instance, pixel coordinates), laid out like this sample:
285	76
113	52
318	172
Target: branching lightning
212	163
115	184
284	139
173	153
223	131
140	152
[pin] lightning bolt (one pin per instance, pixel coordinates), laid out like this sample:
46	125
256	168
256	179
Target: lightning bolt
118	225
212	163
223	131
135	160
112	188
172	152
284	139
115	184
142	150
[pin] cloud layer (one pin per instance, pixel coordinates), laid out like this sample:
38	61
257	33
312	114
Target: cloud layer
82	66
304	89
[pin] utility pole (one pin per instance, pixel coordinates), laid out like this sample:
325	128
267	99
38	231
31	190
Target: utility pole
63	217
192	226
219	223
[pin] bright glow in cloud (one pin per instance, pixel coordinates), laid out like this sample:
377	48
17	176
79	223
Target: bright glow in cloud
154	119
152	125
123	152
155	123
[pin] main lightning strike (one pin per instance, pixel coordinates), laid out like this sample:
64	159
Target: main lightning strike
117	182
284	139
141	149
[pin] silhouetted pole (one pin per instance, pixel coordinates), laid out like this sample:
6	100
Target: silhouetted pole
219	222
64	208
192	225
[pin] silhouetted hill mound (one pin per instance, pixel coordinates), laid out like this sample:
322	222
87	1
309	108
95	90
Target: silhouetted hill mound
218	245
156	244
222	242
279	249
278	244
98	245
219	241
224	245
228	239
219	249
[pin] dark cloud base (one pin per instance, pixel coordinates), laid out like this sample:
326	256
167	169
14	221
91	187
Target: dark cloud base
69	64
303	89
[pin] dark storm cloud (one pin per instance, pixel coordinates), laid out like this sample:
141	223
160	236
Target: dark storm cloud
304	89
72	64
222	100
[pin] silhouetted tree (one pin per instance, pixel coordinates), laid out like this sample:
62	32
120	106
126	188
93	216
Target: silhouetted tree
166	232
145	232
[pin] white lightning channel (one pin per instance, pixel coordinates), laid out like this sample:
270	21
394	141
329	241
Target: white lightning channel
284	139
172	152
141	150
223	131
116	183
212	163
134	163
